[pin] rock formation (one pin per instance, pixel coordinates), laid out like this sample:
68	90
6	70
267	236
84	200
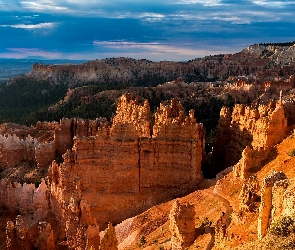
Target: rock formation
18	235
249	193
264	218
109	240
247	138
257	62
25	198
182	225
45	240
107	174
168	163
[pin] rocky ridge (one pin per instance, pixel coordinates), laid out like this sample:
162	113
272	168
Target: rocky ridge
253	60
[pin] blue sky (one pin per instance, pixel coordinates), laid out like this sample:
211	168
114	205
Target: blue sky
157	30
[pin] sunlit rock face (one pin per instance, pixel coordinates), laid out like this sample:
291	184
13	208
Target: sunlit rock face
246	135
129	167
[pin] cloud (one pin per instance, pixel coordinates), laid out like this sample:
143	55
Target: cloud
203	2
31	26
43	5
181	50
276	4
25	52
123	44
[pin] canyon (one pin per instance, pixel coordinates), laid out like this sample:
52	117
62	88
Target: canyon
106	174
146	177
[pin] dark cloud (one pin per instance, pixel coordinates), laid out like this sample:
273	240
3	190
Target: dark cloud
178	29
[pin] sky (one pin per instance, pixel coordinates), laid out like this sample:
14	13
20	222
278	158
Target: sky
177	30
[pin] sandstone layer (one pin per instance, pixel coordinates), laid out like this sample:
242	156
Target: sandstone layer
245	136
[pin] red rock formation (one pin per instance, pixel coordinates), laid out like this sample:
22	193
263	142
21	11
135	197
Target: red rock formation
251	133
45	240
249	194
264	218
110	174
26	198
144	171
18	235
131	115
109	240
182	225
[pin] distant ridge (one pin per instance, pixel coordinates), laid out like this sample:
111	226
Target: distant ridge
278	44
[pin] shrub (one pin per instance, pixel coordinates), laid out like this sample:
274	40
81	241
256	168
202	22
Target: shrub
283	226
292	153
206	222
142	241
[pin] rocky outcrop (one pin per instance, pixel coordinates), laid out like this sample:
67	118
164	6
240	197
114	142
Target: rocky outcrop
45	239
21	236
109	240
18	235
144	170
26	198
250	161
132	118
14	150
265	208
51	140
249	194
258	62
249	136
182	225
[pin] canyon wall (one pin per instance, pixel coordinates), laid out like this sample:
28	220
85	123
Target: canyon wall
258	63
129	167
247	134
107	173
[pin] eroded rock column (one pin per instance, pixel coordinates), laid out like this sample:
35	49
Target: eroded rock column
266	201
182	225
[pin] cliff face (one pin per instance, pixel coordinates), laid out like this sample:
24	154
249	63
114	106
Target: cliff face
248	135
106	174
124	170
252	61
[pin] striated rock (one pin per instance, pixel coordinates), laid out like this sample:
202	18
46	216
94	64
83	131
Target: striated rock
257	62
44	153
131	117
266	201
11	243
41	203
109	174
289	198
145	170
182	225
249	136
15	150
280	201
109	240
251	159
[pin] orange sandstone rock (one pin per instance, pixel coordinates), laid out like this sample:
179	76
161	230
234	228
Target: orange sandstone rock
182	225
249	136
126	171
109	240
